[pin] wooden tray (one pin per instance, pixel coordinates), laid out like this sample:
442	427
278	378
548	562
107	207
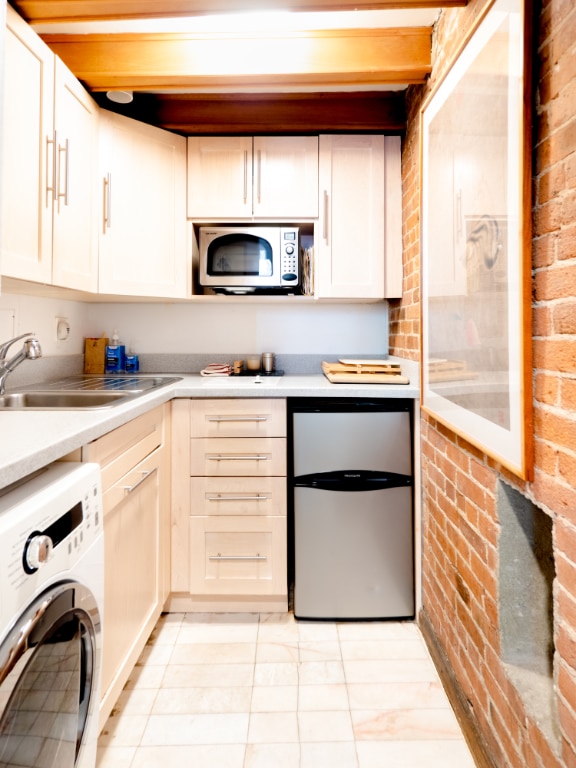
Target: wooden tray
368	372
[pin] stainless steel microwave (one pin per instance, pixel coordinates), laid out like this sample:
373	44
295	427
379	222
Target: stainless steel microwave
240	259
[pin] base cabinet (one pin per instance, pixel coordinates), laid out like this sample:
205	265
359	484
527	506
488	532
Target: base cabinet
229	543
135	482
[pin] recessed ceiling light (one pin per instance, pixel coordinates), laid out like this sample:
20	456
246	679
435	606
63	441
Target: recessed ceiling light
120	97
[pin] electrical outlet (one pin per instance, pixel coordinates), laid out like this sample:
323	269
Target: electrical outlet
62	328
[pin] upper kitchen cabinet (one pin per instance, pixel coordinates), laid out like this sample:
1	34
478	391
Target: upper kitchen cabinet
50	140
143	228
264	177
358	241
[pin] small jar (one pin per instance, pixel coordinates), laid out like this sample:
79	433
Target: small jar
253	362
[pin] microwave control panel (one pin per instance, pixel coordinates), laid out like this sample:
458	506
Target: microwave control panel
289	257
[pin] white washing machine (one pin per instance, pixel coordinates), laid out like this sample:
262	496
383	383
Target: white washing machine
51	598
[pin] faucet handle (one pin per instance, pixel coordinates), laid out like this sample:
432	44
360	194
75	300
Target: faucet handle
7	344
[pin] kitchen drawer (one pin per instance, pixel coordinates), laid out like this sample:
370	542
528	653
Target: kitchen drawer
239	456
122	449
238	418
130	482
238	555
238	496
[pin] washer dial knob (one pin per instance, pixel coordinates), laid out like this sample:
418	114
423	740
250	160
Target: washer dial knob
37	551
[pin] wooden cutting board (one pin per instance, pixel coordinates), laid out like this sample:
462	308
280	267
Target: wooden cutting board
365	372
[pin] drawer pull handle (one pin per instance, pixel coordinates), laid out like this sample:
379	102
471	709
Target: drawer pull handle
231	457
237	418
239	497
145	475
237	557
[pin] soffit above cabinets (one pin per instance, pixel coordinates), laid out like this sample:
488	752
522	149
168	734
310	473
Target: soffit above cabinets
304	66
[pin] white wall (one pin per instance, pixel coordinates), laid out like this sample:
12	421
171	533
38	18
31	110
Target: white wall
222	327
21	314
243	328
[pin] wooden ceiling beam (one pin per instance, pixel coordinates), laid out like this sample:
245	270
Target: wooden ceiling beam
47	11
335	58
281	113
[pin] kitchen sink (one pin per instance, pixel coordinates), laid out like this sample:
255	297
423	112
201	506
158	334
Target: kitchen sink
245	382
83	392
45	400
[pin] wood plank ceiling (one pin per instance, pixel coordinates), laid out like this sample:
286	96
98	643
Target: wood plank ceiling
242	82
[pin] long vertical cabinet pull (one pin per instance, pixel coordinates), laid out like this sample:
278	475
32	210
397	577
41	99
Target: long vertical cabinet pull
63	148
259	155
326	209
50	185
245	176
107	202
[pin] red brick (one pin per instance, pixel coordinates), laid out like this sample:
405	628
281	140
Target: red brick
557	429
568	394
564	315
556	283
555	355
567	685
547	389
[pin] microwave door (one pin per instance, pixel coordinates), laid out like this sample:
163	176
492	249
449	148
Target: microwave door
240	259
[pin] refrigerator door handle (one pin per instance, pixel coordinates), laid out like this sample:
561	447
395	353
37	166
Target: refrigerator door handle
352	480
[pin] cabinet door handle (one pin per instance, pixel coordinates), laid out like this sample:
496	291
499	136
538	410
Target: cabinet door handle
65	148
236	497
50	185
236	457
245	176
237	418
107	203
259	156
145	475
325	231
237	557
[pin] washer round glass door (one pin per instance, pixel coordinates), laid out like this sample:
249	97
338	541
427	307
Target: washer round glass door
48	670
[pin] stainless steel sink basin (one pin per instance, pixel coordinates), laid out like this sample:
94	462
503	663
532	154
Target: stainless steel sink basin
82	392
66	400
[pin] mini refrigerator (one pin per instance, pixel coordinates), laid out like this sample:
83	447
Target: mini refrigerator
352	499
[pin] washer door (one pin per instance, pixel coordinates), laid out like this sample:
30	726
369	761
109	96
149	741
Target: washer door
49	666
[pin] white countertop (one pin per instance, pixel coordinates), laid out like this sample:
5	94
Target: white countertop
33	439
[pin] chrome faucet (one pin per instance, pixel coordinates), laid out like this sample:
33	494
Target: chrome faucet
31	350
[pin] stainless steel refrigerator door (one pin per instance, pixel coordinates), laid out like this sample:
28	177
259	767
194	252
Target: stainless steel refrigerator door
326	442
353	554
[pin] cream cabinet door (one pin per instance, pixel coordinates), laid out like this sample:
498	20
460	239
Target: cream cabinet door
219	177
132	570
50	132
143	217
244	178
75	235
350	250
285	177
27	154
358	241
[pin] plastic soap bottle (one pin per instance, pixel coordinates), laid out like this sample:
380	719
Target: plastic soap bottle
115	355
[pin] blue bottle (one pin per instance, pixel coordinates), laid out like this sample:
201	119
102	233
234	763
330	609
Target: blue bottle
115	355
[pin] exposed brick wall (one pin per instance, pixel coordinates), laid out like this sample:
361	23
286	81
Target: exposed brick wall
460	524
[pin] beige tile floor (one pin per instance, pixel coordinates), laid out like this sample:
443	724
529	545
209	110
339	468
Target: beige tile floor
266	691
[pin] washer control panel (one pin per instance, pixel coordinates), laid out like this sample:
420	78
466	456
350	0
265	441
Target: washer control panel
47	523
